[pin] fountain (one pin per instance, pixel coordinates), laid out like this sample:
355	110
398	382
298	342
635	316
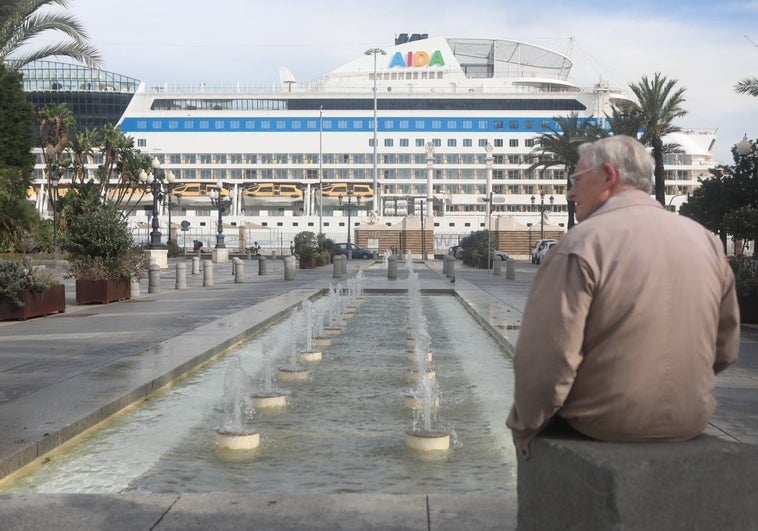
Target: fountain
234	432
422	436
332	426
292	371
309	354
386	258
268	396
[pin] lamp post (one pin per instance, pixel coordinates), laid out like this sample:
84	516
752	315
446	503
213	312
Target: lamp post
374	52
221	203
744	147
349	207
155	181
542	212
530	238
170	181
321	170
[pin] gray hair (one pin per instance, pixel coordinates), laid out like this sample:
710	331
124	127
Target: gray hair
632	160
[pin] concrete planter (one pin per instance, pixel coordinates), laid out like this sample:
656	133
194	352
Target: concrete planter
102	291
51	300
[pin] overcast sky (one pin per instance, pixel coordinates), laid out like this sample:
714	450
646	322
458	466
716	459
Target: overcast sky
707	45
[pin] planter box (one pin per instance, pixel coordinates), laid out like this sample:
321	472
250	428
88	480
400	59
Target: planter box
52	300
102	291
309	263
748	308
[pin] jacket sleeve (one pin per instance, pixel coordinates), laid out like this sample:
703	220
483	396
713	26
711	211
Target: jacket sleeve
549	348
728	339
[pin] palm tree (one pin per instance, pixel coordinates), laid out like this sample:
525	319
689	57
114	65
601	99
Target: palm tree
82	146
559	147
659	103
21	21
749	85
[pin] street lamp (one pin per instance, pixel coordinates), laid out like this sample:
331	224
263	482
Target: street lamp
744	147
54	177
321	170
170	181
530	239
221	203
349	207
542	212
155	180
374	52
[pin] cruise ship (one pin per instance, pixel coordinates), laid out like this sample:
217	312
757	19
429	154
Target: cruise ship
432	125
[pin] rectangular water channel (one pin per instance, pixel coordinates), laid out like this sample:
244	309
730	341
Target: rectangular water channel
342	431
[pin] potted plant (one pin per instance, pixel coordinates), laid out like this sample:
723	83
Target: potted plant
27	292
746	286
307	250
101	254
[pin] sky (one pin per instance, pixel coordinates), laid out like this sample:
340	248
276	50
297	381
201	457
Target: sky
707	46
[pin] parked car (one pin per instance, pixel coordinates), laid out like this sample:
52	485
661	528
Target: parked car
357	252
538	246
545	248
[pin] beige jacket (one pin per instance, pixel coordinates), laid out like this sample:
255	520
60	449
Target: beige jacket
629	317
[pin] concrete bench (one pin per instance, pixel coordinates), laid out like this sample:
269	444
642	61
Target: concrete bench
576	483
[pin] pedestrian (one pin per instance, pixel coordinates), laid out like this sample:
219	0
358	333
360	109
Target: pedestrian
629	317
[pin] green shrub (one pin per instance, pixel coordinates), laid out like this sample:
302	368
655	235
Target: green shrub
14	277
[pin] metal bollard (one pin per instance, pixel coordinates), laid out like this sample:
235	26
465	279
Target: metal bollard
261	265
337	266
195	265
289	268
239	271
181	276
207	272
154	278
392	267
343	265
497	266
510	269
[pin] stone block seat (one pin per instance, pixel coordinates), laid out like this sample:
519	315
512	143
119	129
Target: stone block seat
571	482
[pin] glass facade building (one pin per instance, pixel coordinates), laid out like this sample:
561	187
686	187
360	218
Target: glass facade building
95	97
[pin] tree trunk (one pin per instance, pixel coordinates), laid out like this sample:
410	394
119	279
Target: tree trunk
660	174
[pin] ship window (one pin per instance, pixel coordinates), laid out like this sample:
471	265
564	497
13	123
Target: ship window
545	124
204	124
205	158
419	124
513	124
357	124
468	124
249	124
529	142
498	124
436	124
513	142
404	142
388	142
234	124
156	124
498	142
175	158
173	124
482	142
326	124
436	142
311	124
341	124
281	124
389	124
296	124
419	142
529	124
219	124
467	142
265	124
189	124
141	142
404	124
439	75
371	142
451	124
482	124
451	142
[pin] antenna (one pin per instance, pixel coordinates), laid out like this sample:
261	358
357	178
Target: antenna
752	41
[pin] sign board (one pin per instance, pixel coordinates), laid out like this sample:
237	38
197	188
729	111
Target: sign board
185	224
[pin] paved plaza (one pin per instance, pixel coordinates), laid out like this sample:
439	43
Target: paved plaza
62	374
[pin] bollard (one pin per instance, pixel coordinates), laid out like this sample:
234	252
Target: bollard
343	265
234	266
195	265
446	265
239	272
154	278
392	267
336	266
289	268
134	288
497	266
451	268
261	265
207	272
510	269
181	276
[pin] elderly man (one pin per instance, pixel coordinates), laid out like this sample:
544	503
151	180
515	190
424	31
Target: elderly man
629	317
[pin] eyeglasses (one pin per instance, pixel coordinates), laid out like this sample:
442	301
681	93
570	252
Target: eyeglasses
573	176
